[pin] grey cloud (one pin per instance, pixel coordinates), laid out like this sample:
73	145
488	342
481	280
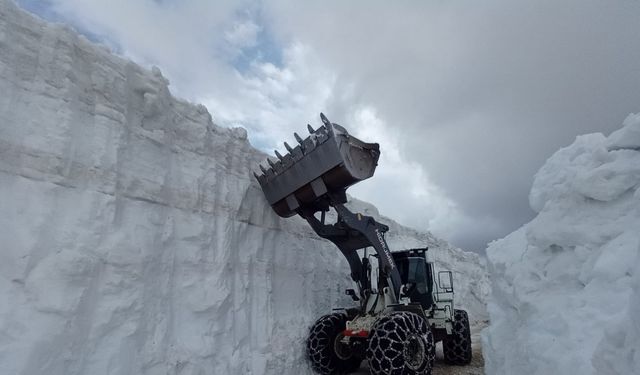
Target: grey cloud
483	94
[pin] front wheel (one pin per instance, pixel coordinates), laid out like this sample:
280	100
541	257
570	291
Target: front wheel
327	353
401	343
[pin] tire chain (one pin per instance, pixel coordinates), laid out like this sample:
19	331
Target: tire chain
387	342
457	347
320	346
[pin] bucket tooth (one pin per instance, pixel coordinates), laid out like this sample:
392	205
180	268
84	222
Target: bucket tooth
327	124
278	154
311	131
297	138
289	149
263	169
271	164
325	120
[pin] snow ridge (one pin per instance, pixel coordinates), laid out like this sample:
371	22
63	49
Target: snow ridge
134	237
566	286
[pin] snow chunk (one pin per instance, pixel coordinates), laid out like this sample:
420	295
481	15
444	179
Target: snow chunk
628	136
565	287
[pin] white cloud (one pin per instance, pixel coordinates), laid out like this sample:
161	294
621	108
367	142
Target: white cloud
273	102
467	100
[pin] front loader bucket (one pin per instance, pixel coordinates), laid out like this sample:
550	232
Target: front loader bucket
329	160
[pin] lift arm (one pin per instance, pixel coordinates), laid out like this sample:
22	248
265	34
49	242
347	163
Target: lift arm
354	231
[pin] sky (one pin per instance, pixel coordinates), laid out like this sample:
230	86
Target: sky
467	99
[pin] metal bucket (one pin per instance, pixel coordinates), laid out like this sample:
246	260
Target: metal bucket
328	161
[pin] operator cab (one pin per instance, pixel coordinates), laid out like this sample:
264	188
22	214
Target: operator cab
416	274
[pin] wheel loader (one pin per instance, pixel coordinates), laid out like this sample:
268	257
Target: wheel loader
402	306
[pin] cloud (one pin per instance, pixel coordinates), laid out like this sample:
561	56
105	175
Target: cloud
272	102
467	100
194	42
481	95
404	184
243	34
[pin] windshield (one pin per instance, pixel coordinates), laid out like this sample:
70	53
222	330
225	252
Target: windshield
414	270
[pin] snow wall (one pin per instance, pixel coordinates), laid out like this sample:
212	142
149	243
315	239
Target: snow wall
566	286
133	237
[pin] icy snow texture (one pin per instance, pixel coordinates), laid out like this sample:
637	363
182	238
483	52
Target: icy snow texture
566	286
133	237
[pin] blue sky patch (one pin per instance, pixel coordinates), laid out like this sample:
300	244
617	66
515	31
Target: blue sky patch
266	50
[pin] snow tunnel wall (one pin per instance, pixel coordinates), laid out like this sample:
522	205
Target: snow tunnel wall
566	287
133	239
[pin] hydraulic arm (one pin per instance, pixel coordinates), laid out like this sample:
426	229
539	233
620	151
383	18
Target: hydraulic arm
352	232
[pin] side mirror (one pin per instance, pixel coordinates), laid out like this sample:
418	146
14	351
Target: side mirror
352	293
445	281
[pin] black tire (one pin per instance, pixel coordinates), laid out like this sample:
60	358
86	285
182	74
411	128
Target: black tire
327	358
401	344
457	346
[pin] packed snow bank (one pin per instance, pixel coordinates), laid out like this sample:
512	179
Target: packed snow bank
566	286
133	239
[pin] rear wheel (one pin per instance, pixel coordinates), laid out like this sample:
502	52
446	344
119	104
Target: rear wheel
457	346
327	353
401	343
